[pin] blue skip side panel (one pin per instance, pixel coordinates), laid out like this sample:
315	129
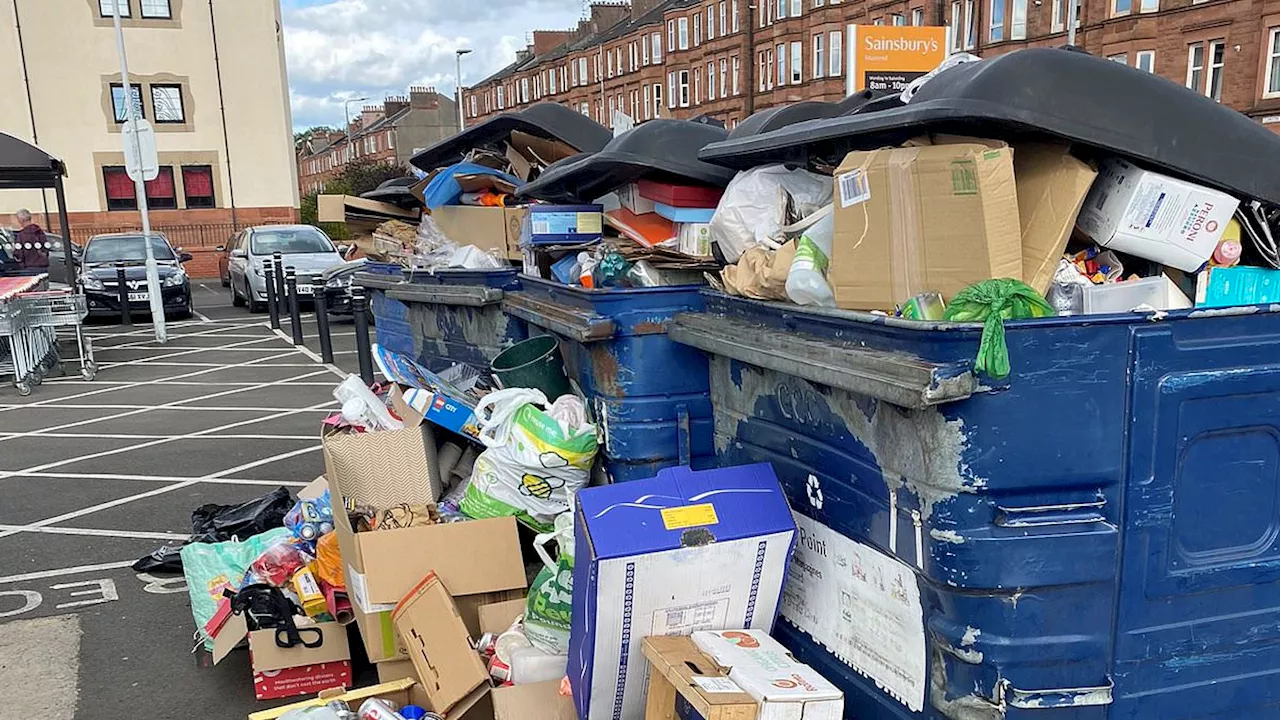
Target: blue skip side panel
1096	536
650	394
447	331
390	326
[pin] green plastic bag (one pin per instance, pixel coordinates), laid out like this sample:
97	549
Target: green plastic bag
210	568
550	604
991	302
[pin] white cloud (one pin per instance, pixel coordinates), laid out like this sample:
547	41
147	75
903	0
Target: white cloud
338	49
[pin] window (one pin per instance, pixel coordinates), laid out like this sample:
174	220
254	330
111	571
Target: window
104	9
524	90
724	28
582	70
671	89
1147	6
1195	66
644	49
197	185
763	72
1272	88
782	9
697	29
797	8
610	65
502	105
782	64
671	35
736	71
836	52
655	41
683	82
1121	7
117	101
769	54
878	21
711	22
551	86
648	102
391	136
1145	60
683	27
997	20
1217	58
634	58
697	86
156	9
797	62
734	14
161	194
657	99
724	78
917	17
119	189
612	107
1018	20
970	26
957	22
1060	12
819	3
897	19
1122	58
819	64
711	81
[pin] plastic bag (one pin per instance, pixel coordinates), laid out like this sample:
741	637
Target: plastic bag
219	523
473	258
432	248
550	604
532	465
310	519
328	562
210	568
277	564
753	209
992	302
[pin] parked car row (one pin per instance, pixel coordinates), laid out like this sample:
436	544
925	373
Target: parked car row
305	248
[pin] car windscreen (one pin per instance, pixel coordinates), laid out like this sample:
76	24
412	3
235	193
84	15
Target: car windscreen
289	242
125	248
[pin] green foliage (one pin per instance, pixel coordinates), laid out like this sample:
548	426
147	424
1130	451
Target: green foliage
355	178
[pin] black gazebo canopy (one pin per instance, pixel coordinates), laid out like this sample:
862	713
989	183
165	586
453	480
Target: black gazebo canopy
24	166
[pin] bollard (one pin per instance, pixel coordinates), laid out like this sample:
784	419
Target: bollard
359	311
273	306
281	294
295	319
122	292
322	319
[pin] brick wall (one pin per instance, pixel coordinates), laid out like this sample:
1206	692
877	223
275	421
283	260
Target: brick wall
204	263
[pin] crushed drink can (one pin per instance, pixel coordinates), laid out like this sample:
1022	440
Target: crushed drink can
486	643
925	306
378	709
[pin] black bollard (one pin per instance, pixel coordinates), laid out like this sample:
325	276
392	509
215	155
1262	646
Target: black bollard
295	318
273	305
122	292
282	296
322	319
359	310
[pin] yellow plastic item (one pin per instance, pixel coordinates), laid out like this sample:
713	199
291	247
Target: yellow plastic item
328	563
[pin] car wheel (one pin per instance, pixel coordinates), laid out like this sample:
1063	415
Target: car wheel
236	300
226	279
254	305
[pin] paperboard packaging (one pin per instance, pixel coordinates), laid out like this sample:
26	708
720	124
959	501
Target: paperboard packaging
695	239
1154	216
786	689
398	692
682	678
629	197
676	553
535	701
488	228
284	672
1229	286
1052	185
388	467
439	646
915	219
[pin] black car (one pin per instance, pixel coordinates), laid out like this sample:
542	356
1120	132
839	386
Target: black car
98	274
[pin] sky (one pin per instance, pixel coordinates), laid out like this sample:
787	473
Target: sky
339	49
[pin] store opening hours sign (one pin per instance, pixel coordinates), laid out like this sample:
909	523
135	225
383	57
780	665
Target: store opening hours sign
889	57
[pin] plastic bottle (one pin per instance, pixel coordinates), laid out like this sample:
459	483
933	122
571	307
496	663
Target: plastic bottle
361	407
807	278
523	662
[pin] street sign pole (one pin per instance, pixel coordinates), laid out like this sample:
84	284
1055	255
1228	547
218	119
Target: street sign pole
135	165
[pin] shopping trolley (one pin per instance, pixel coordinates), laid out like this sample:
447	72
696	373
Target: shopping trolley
48	312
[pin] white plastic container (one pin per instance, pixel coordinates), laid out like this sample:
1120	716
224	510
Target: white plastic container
361	407
807	279
1157	292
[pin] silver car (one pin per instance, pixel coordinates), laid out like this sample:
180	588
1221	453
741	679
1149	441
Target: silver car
305	248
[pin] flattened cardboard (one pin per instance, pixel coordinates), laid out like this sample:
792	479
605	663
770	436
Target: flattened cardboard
268	656
480	183
488	228
916	219
469	606
335	208
1052	185
535	701
439	646
497	617
396	692
539	149
678	668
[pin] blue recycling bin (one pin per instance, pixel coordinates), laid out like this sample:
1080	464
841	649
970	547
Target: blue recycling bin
455	316
390	328
1095	536
648	394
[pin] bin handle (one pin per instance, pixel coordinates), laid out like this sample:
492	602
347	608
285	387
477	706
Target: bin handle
459	295
580	326
375	282
894	377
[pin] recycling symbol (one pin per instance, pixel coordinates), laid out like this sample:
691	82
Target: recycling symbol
814	491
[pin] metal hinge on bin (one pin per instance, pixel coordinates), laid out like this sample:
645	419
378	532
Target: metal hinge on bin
1010	696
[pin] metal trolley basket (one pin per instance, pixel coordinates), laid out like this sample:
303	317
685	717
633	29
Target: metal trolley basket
46	312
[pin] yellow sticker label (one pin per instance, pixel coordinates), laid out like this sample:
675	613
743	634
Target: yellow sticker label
689	516
590	222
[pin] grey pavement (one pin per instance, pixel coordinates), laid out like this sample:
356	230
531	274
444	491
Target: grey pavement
95	474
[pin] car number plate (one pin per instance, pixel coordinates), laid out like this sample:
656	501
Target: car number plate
139	296
304	289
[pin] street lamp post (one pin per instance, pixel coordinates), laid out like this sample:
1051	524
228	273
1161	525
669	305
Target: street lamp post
458	91
346	112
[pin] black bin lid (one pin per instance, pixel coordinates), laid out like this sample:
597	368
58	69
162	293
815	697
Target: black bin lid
658	150
545	120
764	121
1051	92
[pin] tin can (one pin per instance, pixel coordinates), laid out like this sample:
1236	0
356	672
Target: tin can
377	709
925	306
486	643
499	670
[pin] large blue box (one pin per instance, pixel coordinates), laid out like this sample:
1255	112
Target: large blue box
562	224
669	555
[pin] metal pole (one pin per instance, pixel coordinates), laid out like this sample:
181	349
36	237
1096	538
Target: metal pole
457	56
67	256
1071	21
273	305
322	319
122	293
295	319
359	310
281	296
139	186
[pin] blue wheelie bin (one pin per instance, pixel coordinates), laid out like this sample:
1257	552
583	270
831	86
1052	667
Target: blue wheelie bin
455	316
391	329
1095	536
648	394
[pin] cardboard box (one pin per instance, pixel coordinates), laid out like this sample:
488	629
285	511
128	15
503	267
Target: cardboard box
786	689
679	552
488	228
629	197
439	645
681	676
535	701
497	618
389	467
695	239
398	692
1154	216
337	208
1231	286
1052	185
925	218
284	672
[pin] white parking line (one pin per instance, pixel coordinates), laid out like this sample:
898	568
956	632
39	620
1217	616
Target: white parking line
164	479
76	570
96	532
199	408
314	357
102	366
131	436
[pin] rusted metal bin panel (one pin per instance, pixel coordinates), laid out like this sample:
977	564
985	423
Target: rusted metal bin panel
391	329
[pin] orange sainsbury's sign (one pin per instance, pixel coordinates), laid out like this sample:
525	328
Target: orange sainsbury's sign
888	57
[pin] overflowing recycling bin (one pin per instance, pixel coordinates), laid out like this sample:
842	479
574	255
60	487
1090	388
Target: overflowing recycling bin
389	314
455	316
